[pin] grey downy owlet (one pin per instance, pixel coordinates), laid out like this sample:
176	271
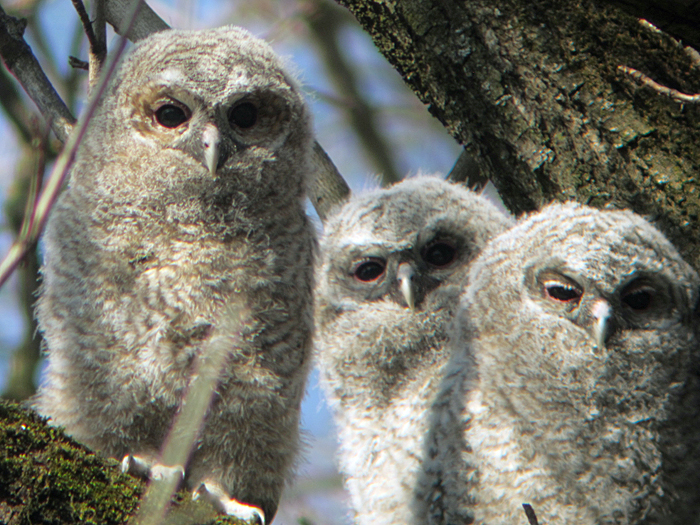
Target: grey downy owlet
186	196
574	385
388	281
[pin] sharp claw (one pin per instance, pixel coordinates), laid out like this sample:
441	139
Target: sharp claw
159	472
223	503
141	467
136	466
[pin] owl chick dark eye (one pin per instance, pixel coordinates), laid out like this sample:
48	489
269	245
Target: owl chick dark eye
562	292
244	115
638	297
370	270
171	116
439	254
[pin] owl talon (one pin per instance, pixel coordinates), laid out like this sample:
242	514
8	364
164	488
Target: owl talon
136	466
161	472
223	503
143	468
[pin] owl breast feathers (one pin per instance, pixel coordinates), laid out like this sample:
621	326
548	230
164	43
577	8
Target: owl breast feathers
186	197
389	278
574	381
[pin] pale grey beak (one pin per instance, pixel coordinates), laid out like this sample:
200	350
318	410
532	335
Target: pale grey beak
404	275
601	314
210	143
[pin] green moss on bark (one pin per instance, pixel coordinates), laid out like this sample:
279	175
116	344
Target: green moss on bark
47	478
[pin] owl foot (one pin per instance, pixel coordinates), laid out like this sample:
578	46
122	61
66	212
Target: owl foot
144	468
223	503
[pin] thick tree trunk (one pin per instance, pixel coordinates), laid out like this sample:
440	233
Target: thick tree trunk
532	90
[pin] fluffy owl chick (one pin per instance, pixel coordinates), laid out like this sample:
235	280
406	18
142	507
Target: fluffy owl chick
575	384
388	285
186	197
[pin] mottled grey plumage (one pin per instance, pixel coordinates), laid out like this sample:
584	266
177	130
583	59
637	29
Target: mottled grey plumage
388	285
574	385
186	197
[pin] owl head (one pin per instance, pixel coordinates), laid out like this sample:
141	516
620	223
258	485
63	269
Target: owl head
396	246
581	328
388	281
192	107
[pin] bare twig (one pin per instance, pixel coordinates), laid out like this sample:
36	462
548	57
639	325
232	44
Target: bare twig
20	381
98	47
530	513
20	61
76	63
325	24
669	92
85	20
99	24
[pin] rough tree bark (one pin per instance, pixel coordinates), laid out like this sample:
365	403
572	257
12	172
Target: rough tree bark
533	91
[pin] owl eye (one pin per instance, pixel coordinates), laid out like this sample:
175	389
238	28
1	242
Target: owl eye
370	270
562	292
171	116
439	253
244	115
638	296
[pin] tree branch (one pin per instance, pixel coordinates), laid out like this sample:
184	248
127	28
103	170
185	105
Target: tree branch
98	46
146	22
20	61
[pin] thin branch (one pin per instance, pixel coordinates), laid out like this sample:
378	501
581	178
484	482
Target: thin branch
99	26
87	24
20	61
35	182
98	47
325	24
76	63
663	90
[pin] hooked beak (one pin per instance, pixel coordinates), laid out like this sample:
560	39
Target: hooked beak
210	145
600	312
404	275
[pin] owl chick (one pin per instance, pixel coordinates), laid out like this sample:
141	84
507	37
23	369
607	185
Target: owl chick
388	285
186	196
574	385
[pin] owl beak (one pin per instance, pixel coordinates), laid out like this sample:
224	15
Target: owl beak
600	312
404	275
210	145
